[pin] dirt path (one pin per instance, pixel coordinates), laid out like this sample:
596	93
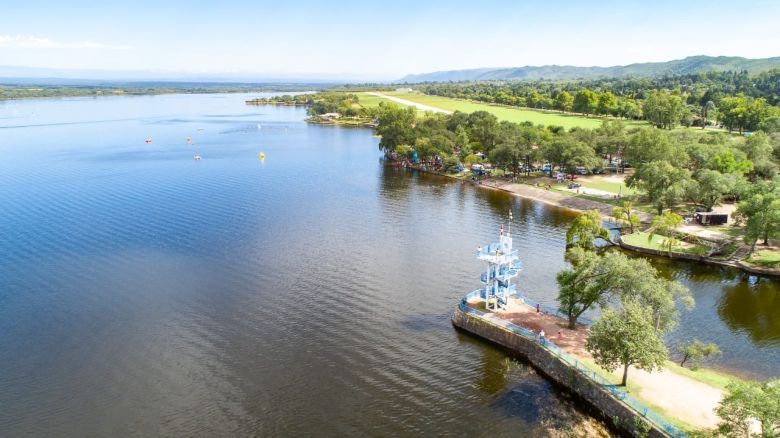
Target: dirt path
689	400
559	199
410	103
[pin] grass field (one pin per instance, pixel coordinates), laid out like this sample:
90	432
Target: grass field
511	114
606	185
766	258
368	100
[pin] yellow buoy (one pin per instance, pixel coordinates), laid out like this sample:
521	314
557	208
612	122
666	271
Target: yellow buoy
261	155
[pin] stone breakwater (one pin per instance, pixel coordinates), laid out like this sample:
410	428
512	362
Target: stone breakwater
623	418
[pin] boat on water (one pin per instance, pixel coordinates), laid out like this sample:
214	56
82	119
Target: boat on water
148	140
261	156
197	157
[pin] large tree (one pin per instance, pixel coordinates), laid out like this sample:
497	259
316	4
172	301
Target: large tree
588	282
586	229
750	410
586	101
664	109
396	126
598	279
709	188
564	101
760	213
664	184
624	215
566	151
627	337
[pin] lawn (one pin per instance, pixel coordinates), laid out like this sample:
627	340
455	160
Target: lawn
368	100
512	114
643	240
607	185
707	376
767	258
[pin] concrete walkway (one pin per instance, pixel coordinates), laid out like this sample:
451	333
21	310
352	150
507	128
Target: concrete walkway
689	400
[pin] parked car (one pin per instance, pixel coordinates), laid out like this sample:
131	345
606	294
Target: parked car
598	171
571	177
581	170
574	185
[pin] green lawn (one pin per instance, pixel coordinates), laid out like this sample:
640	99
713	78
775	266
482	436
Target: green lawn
605	185
369	101
707	376
511	114
767	258
643	240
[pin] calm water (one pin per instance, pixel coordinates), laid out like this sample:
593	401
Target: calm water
142	292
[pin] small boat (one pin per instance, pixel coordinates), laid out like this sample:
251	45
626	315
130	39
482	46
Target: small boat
189	140
261	156
148	140
197	157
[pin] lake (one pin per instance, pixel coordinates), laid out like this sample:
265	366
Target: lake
144	292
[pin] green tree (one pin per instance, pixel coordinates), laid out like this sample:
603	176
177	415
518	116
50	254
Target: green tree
564	101
747	404
696	351
664	184
626	337
759	212
585	102
624	215
665	225
597	279
710	187
706	109
607	104
648	145
610	138
663	109
585	229
566	151
588	282
395	125
482	129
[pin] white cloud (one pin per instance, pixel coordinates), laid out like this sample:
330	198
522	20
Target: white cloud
32	42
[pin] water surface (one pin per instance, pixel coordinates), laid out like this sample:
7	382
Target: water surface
143	292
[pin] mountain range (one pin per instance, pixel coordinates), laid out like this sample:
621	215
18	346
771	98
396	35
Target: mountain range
689	65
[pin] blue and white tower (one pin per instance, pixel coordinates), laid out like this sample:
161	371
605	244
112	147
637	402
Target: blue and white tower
503	264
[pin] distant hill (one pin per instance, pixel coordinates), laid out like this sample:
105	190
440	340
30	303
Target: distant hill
691	64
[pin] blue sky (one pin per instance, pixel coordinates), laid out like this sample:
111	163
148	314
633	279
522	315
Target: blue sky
379	40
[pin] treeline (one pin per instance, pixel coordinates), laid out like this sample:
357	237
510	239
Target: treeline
735	100
343	104
672	168
14	91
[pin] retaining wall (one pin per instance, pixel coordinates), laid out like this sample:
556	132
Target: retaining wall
623	418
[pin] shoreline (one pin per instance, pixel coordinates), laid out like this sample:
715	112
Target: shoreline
581	205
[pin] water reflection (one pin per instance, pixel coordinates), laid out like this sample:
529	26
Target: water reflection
753	309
